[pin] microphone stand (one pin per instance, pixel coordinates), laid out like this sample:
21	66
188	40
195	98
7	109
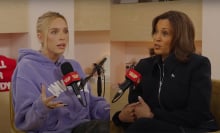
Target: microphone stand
99	80
99	69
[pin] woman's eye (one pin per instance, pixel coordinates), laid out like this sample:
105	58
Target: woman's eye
54	32
165	33
66	31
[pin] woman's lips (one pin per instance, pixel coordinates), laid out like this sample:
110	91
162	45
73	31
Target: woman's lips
61	46
157	46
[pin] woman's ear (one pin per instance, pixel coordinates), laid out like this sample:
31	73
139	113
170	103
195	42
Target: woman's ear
40	37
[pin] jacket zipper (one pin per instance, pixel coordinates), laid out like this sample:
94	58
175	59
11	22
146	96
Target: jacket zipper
160	83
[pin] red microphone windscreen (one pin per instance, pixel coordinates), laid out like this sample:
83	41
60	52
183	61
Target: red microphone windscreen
70	78
134	76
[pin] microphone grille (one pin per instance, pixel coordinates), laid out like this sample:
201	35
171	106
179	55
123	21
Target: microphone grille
66	68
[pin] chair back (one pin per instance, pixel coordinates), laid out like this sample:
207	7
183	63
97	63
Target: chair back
215	100
12	117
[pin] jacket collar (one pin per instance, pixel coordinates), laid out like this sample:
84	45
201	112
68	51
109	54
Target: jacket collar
169	63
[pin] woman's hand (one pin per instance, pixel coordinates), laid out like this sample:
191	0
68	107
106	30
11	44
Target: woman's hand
142	109
48	101
127	113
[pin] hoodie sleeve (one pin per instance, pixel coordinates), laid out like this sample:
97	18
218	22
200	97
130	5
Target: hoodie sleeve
99	108
30	112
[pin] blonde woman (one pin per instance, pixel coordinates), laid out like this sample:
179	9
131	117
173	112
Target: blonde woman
41	103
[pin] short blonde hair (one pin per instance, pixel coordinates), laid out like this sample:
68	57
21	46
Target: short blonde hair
44	21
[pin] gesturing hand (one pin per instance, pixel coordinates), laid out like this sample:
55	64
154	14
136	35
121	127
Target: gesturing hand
48	101
142	109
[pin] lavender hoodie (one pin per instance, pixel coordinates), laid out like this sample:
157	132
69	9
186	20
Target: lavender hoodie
31	115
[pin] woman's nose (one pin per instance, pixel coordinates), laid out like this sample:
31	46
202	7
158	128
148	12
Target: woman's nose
157	37
62	35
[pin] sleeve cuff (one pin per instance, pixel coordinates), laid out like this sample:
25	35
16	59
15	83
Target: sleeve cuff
41	109
116	119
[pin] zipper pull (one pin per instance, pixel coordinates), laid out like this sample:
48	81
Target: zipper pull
160	84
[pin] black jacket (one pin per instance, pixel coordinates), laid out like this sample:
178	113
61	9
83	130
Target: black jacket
184	95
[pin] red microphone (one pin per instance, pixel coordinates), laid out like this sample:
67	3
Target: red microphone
71	78
132	78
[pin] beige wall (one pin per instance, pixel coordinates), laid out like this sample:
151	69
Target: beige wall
91	47
13	16
92	15
132	22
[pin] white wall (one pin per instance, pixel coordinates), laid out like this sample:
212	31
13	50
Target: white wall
38	7
211	34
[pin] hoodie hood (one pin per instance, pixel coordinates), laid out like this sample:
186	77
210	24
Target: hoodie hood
29	54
